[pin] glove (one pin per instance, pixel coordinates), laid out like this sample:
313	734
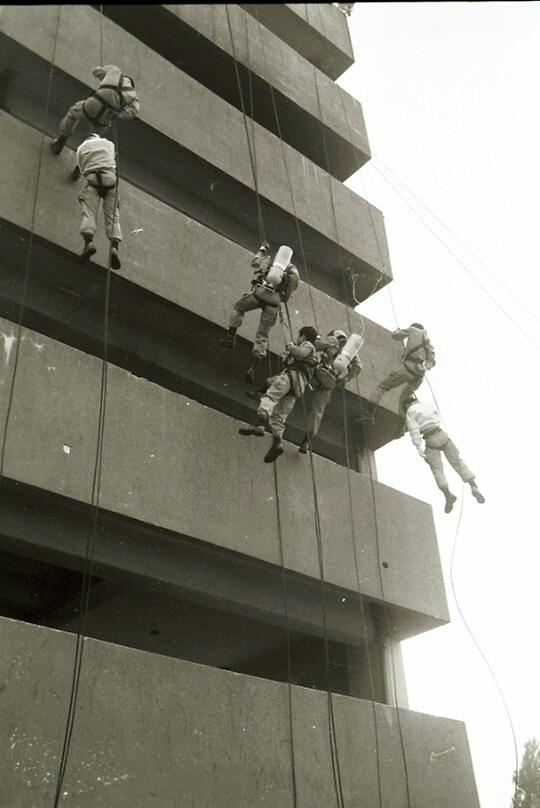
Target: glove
289	345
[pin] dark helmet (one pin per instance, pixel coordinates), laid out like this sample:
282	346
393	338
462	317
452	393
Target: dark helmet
309	333
417	325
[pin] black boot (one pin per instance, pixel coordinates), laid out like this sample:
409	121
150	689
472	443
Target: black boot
115	258
449	500
304	446
58	144
75	174
89	249
250	372
274	451
258	427
229	340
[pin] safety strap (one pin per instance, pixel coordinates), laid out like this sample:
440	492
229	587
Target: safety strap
96	119
102	189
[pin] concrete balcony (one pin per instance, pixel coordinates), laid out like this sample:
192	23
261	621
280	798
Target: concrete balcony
198	163
209	274
312	111
176	733
318	31
170	462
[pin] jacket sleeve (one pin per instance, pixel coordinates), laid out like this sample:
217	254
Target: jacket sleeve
416	435
131	110
355	368
302	351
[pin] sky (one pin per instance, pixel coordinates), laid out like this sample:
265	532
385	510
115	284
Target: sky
451	101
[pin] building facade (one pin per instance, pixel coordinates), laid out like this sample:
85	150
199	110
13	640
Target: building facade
241	621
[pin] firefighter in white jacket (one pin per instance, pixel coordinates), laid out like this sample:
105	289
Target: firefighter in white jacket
424	426
325	381
114	98
97	163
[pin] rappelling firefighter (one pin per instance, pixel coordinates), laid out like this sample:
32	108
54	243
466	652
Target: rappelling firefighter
424	426
97	164
278	401
274	280
339	363
115	98
418	357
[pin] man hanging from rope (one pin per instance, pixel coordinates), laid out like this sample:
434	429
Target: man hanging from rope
96	161
114	98
418	357
424	426
274	280
278	401
326	379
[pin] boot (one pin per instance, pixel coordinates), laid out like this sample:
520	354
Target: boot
274	451
115	258
475	491
304	446
450	499
88	251
75	174
258	427
229	340
58	144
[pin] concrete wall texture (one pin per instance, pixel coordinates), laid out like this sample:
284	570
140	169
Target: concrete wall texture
159	730
156	731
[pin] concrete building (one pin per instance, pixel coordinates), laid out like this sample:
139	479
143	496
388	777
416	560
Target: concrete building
244	620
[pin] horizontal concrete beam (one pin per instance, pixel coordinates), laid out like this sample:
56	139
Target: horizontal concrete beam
299	103
318	31
151	729
173	463
198	162
210	273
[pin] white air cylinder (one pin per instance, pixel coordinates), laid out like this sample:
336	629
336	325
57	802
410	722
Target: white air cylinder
348	352
281	262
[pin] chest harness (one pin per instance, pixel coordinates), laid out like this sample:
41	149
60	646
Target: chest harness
101	111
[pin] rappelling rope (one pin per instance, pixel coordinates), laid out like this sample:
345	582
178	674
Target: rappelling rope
479	649
262	237
372	485
26	277
96	489
262	234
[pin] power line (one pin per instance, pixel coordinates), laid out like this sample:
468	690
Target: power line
459	261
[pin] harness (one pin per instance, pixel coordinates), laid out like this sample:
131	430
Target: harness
100	187
106	106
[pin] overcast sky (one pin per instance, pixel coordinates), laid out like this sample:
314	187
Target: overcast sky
450	93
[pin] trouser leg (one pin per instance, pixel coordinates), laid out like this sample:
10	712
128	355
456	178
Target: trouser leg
246	303
111	213
452	455
267	320
434	460
72	119
280	386
319	403
89	200
285	405
280	413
